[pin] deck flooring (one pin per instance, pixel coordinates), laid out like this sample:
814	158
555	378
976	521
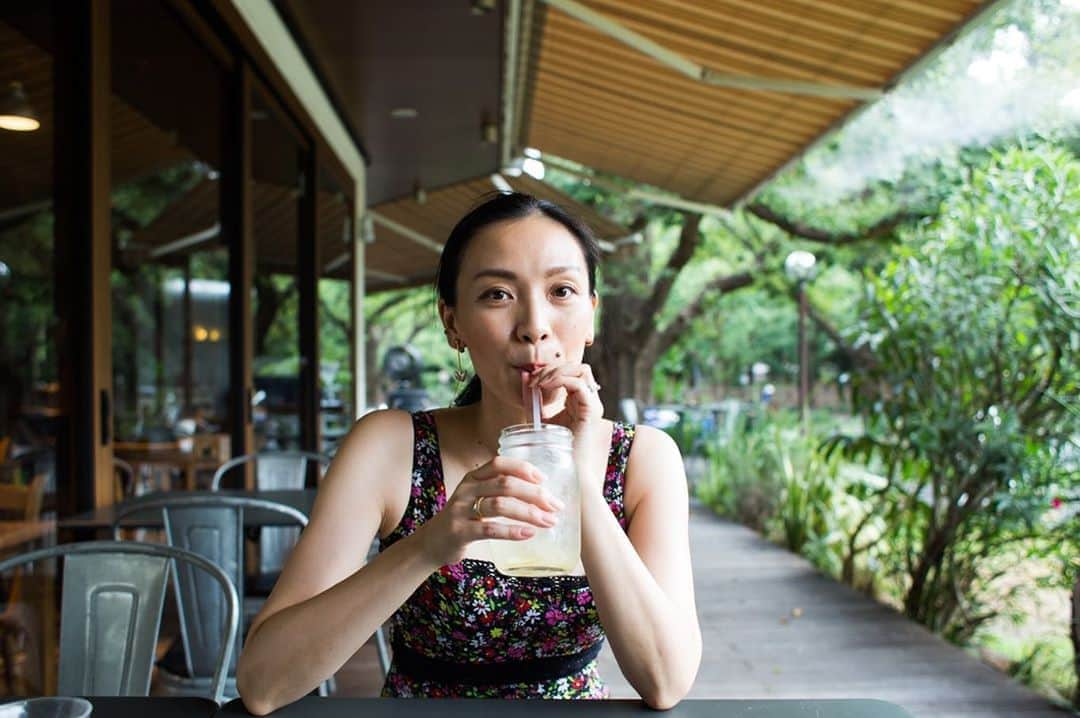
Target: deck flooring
843	645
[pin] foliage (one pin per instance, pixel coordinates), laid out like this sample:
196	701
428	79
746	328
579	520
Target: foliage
744	478
971	403
773	476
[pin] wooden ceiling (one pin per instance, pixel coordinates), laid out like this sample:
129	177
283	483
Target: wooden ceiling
139	147
602	103
439	58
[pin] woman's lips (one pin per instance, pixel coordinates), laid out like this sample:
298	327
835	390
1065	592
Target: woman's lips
529	368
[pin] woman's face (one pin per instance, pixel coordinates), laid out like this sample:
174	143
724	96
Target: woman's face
523	302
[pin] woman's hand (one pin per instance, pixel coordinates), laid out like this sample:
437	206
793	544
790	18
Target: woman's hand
582	411
502	488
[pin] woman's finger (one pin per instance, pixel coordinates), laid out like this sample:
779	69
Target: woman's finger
573	384
500	530
512	487
506	466
509	507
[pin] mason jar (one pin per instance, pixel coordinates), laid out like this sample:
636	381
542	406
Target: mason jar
550	551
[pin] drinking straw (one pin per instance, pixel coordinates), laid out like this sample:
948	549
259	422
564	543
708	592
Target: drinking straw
536	407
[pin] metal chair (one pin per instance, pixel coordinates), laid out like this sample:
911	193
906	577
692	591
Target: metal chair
112	599
273	470
211	526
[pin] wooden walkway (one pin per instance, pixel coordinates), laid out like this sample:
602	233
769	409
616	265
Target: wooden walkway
842	645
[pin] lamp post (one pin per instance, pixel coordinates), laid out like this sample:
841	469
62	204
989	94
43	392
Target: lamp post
799	267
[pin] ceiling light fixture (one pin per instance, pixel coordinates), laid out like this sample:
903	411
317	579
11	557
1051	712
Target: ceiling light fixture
16	114
404	113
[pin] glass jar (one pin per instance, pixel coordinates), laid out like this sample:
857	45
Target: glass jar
556	550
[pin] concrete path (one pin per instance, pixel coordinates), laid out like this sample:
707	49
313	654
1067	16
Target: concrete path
842	645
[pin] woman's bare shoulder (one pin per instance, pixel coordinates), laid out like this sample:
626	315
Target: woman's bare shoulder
380	441
655	463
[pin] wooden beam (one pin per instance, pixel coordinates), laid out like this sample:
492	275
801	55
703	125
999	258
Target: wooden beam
705	74
235	19
83	255
407	232
361	230
237	228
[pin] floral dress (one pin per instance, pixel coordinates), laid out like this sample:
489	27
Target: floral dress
468	613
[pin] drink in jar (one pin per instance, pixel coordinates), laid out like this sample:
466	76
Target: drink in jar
551	551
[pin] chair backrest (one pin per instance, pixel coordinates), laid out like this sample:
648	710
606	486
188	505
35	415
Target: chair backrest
211	526
22	503
274	469
112	598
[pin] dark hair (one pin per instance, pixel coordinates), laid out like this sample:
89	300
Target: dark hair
495	208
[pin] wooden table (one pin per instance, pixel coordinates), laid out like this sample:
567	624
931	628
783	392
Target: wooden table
312	707
165	454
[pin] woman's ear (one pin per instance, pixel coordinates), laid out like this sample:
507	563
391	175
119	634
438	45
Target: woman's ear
592	330
449	321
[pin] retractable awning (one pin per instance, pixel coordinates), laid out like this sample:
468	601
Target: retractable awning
709	99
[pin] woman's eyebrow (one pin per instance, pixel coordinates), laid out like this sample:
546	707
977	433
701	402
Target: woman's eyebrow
508	275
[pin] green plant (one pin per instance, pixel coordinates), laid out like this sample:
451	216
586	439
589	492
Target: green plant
970	401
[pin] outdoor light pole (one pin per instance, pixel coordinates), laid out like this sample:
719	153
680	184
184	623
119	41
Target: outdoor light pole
799	266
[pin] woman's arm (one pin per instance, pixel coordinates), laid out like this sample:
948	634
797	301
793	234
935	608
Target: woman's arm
327	603
642	580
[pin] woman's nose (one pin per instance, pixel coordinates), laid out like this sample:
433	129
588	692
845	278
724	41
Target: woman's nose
532	336
532	326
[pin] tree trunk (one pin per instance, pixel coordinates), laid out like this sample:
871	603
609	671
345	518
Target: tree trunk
618	374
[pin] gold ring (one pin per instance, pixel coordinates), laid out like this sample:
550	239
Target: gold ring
476	507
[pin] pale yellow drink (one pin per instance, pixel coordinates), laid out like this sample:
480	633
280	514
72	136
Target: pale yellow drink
556	550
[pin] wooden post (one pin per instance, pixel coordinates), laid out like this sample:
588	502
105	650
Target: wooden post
236	225
360	368
83	245
185	322
307	270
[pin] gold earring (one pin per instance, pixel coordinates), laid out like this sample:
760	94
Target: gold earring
460	376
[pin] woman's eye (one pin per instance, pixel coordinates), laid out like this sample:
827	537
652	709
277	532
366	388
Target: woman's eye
563	292
495	294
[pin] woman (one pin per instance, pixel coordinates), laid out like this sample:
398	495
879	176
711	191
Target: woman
517	290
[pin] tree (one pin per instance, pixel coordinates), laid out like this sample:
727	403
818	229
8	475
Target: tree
655	289
971	401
